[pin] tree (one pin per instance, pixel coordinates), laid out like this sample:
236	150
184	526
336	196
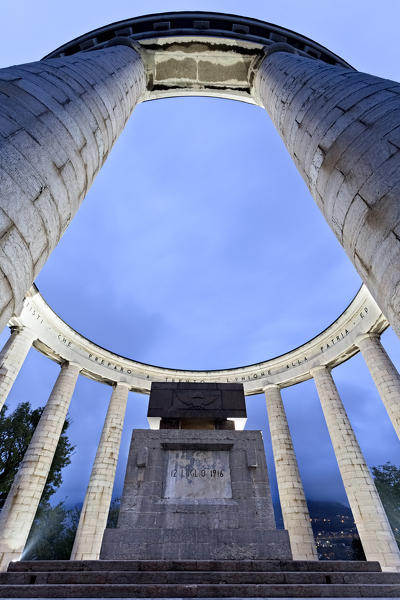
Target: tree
52	534
113	513
387	481
53	531
16	431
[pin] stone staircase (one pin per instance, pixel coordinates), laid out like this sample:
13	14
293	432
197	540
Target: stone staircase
197	579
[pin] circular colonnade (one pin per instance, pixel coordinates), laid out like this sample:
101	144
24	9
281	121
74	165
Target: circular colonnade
58	121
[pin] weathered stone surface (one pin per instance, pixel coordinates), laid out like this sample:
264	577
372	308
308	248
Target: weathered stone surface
384	374
93	519
12	357
342	128
59	119
296	517
19	510
369	515
163	520
195	543
198	579
269	566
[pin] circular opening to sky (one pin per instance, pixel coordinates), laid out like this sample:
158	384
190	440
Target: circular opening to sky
199	245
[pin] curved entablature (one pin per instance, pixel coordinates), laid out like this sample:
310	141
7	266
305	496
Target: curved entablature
57	340
198	53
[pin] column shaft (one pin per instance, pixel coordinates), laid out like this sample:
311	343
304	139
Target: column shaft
342	130
12	357
59	119
369	515
23	499
295	513
95	509
384	374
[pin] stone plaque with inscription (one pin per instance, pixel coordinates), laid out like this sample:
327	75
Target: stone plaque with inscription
197	474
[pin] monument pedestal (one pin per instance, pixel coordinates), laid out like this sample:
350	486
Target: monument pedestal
195	488
196	495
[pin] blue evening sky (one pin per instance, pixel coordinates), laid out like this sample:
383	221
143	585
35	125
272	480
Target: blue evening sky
199	245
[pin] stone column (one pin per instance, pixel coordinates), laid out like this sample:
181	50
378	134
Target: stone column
384	374
59	119
93	520
295	513
23	499
342	129
369	515
12	357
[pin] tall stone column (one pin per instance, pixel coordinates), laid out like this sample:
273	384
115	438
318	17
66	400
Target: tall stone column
12	358
23	499
384	374
342	129
295	513
369	515
93	520
59	119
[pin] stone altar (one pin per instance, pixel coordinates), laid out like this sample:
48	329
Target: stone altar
196	489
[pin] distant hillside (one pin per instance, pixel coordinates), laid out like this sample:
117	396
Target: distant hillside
335	514
330	516
334	530
321	508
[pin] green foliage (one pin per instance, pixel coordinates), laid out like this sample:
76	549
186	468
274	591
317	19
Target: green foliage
54	528
387	481
52	534
113	513
16	431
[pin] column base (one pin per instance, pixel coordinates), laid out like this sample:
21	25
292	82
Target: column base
7	557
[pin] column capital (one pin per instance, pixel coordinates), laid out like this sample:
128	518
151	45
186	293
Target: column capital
123	41
264	53
70	364
319	369
12	357
271	386
278	47
119	384
24	331
370	335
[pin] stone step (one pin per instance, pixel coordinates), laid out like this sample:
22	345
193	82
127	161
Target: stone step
195	577
192	565
201	591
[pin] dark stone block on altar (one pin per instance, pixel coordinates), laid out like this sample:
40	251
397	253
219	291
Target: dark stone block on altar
197	400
